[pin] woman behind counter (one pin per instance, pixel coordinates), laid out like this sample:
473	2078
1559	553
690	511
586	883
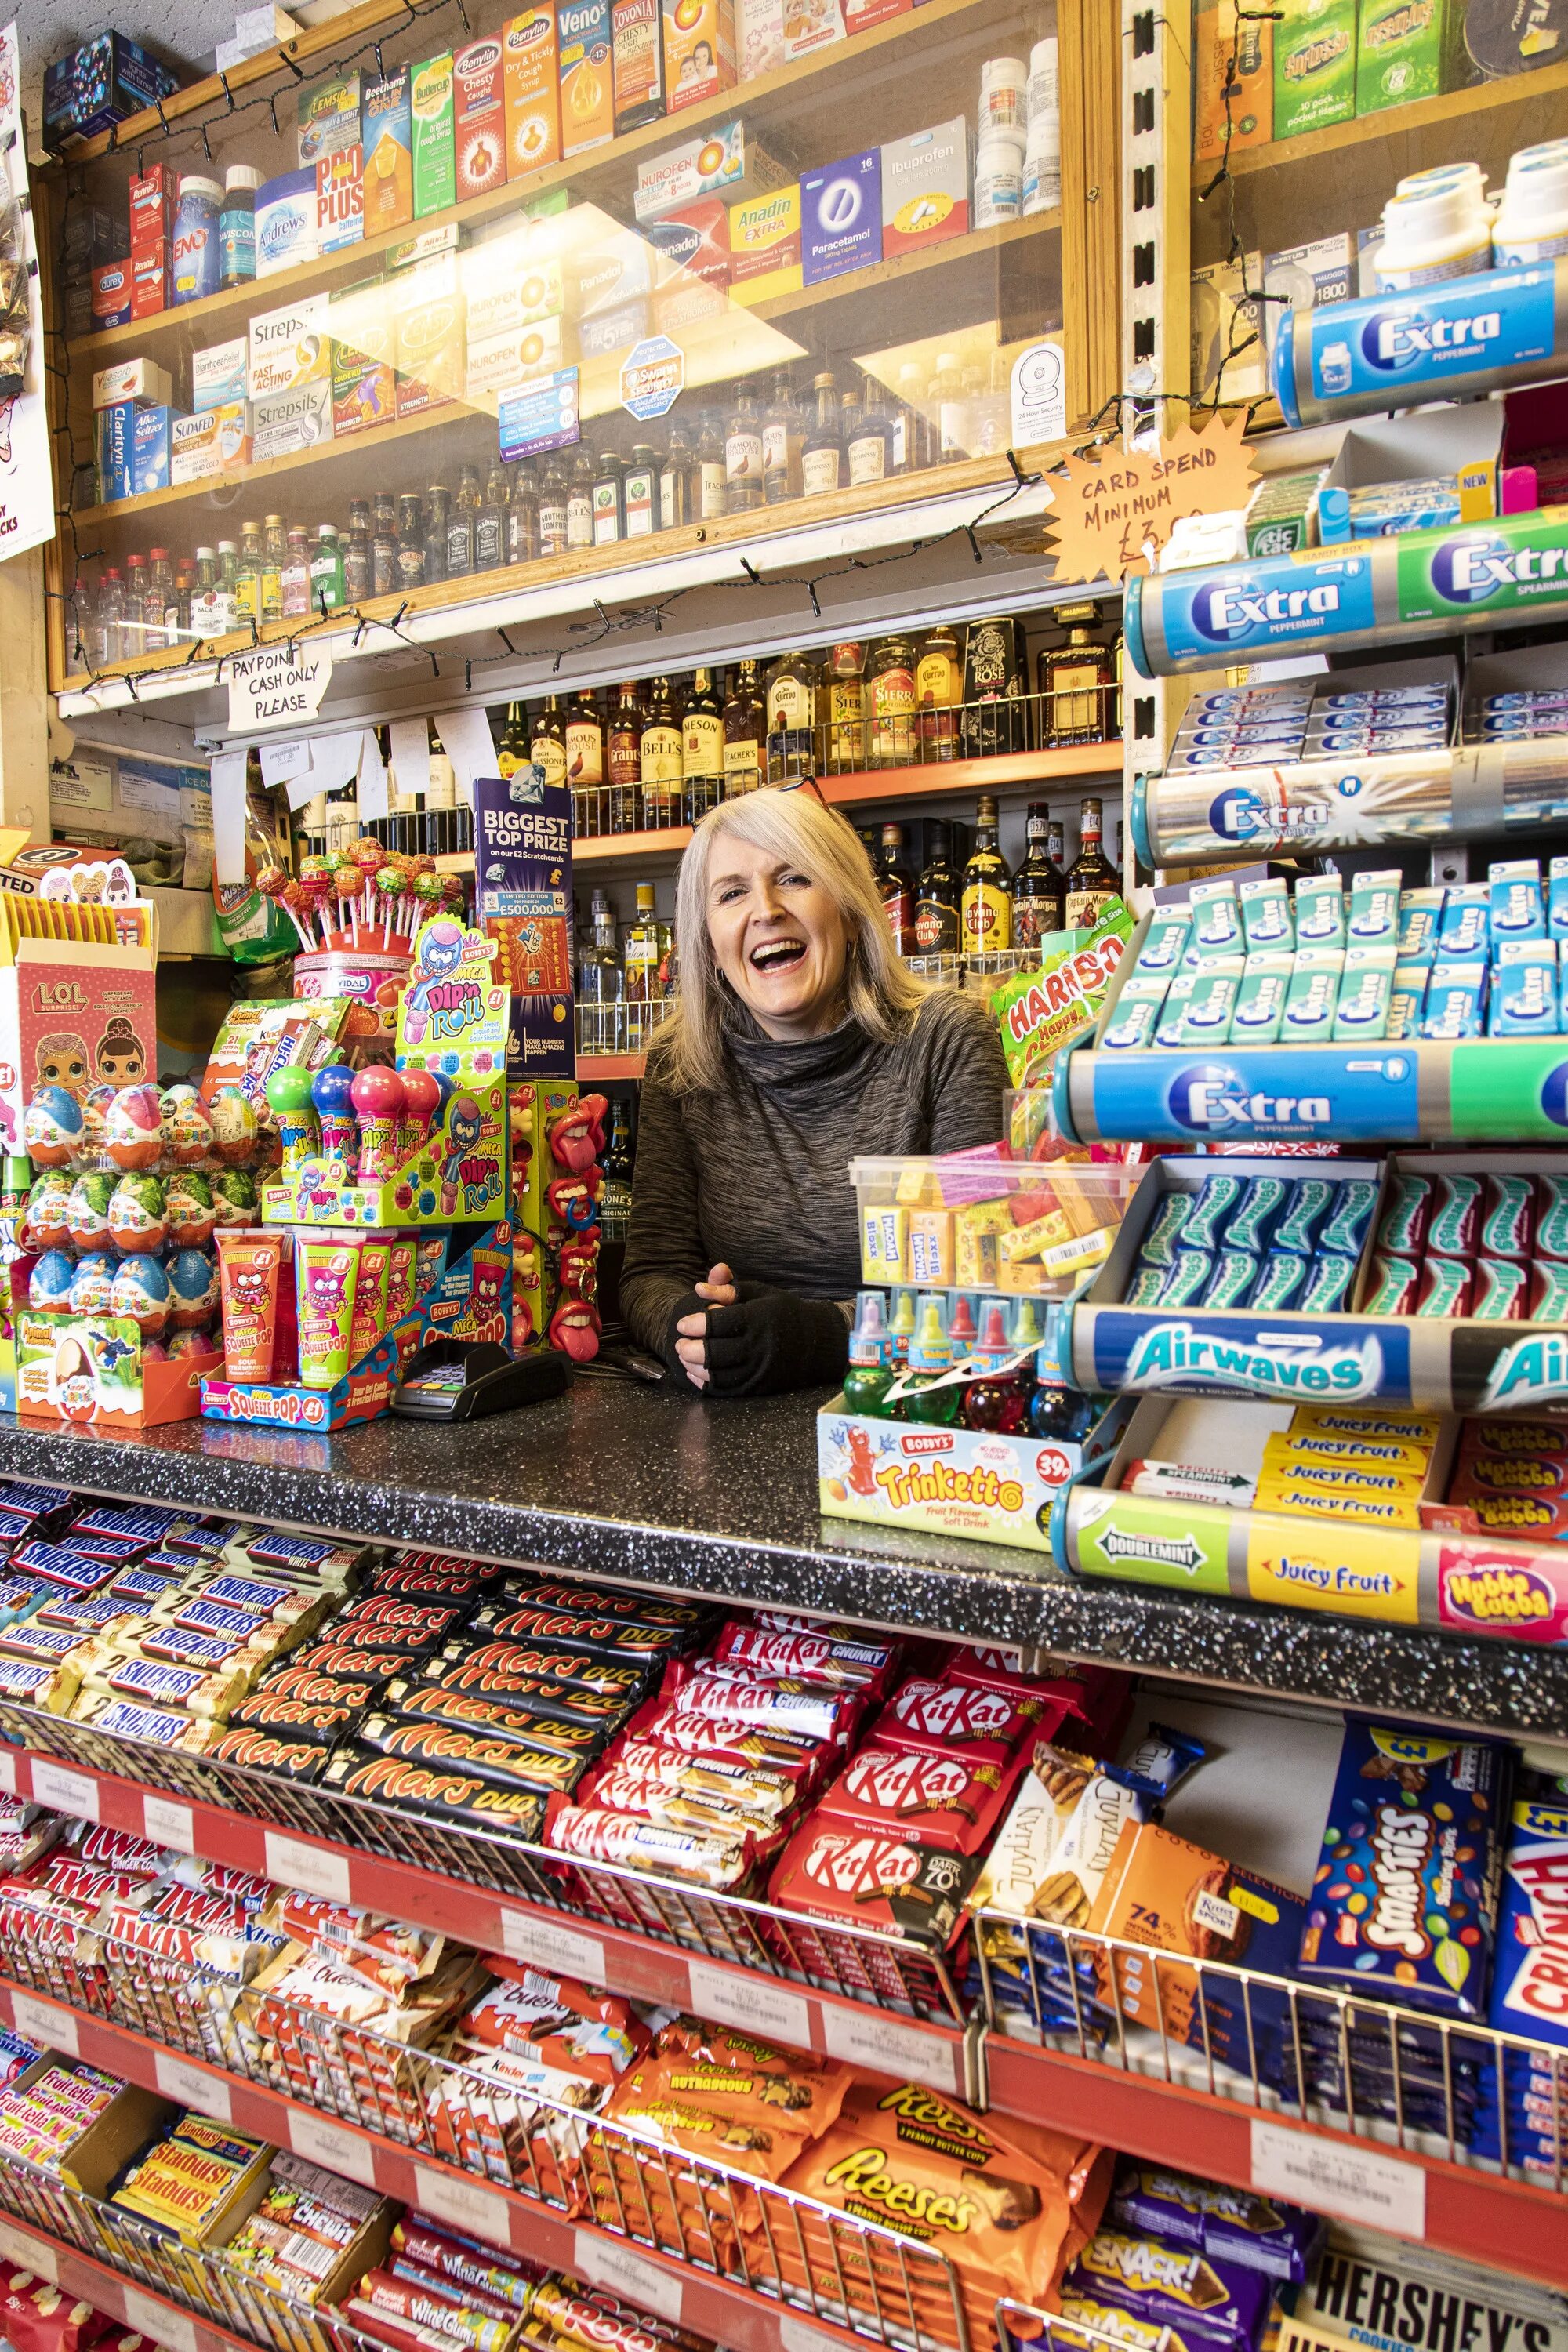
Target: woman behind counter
801	1041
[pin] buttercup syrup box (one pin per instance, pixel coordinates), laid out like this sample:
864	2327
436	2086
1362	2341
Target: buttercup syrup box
434	135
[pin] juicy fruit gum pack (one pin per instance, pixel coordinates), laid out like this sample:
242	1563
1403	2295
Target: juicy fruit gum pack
1406	1886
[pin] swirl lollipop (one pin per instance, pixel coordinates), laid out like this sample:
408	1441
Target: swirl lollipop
346	889
289	1094
429	893
299	908
331	1092
316	890
370	858
378	1097
425	1094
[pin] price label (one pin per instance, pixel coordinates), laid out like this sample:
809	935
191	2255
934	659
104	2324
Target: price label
194	2086
168	1823
625	2272
1354	2184
8	1770
866	2038
159	2321
314	1871
68	1792
755	2004
28	2253
544	1943
463	2203
321	2142
799	2335
40	2021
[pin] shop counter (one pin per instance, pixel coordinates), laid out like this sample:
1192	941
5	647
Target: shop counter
722	1499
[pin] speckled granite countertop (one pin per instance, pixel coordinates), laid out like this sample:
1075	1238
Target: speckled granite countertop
657	1489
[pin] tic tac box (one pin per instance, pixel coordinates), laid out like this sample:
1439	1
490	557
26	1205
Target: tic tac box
764	245
388	147
141	381
220	372
287	422
841	217
925	188
288	347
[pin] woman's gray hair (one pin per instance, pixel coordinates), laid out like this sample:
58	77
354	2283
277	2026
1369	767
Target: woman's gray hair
881	993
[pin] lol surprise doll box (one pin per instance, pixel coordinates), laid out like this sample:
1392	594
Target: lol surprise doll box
73	1013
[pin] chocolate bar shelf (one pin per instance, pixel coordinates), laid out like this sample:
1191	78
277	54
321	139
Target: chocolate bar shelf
85	2278
529	2174
1442	1364
1375	2113
847	1993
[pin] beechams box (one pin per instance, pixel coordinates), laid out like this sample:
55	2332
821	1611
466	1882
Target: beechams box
841	217
925	188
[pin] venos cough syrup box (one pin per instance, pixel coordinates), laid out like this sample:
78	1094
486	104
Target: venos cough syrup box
587	93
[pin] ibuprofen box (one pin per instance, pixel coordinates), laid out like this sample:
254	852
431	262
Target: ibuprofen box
841	217
925	188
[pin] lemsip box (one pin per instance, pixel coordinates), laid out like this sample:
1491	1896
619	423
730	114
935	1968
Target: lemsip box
925	188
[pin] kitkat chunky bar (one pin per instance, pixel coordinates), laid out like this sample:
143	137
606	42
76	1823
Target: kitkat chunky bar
1405	1902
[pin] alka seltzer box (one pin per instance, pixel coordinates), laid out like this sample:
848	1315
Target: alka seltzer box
1314	65
841	217
1404	49
698	50
587	90
434	135
291	421
288	347
925	188
339	201
764	245
480	117
328	118
149	432
530	81
388	145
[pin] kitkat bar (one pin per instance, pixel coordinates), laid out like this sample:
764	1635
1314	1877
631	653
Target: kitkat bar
945	1801
888	1881
809	1657
590	1835
960	1718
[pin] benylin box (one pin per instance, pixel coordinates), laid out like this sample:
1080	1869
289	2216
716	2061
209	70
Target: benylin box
968	1482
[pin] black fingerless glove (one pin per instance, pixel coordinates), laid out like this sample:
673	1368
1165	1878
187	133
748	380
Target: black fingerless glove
770	1339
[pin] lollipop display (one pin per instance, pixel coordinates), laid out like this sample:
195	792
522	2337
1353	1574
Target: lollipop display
379	1098
331	1092
288	1096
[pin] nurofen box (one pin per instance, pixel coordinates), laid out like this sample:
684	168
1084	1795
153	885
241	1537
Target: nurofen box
328	117
288	346
286	221
291	420
764	245
142	382
500	362
698	50
841	217
480	117
587	89
220	372
339	201
531	90
729	164
388	173
925	188
434	135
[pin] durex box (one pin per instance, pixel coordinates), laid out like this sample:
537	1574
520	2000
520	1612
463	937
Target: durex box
841	217
388	143
141	381
434	135
288	347
1405	49
219	373
287	422
764	245
925	188
1314	65
149	432
339	201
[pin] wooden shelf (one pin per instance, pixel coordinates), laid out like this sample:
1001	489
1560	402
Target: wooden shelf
217	313
1392	122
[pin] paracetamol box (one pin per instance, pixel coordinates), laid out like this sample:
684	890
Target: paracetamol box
587	90
764	245
288	347
220	372
925	188
841	217
328	117
530	71
150	429
291	421
142	382
286	221
731	165
430	105
388	146
194	448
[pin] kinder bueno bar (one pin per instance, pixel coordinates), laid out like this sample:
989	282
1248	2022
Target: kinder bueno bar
945	1800
1405	1894
1529	1989
1232	2225
839	1871
646	1846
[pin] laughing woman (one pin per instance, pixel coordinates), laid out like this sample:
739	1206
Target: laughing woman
801	1042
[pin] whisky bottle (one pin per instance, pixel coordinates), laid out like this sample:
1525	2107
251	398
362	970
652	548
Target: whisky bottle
1077	680
659	758
890	704
939	690
702	748
844	694
745	726
1038	898
623	759
793	691
549	742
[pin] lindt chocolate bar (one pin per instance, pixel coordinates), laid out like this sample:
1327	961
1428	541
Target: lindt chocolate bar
1405	1900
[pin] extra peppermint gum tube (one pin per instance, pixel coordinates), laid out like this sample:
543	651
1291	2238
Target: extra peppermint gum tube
1131	1027
1164	941
1523	1000
1253	1222
1168	1028
1557	898
1321	911
1206	1019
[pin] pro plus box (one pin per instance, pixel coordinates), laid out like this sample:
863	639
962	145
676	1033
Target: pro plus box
841	217
925	188
339	201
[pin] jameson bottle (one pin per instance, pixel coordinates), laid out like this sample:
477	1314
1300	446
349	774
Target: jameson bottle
702	748
1038	898
994	710
1092	880
745	728
986	910
936	899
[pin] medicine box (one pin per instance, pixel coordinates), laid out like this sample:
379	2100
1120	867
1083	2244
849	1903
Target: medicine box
764	245
220	372
729	164
194	448
430	100
841	217
142	382
287	422
698	50
328	117
286	221
288	346
150	450
587	92
479	117
531	90
388	170
113	429
925	188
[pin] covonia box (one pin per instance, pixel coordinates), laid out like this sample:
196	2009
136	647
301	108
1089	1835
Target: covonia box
966	1482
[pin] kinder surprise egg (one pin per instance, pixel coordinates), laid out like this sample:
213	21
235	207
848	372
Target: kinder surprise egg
89	1152
45	1221
193	1280
154	1352
94	1284
141	1291
187	1129
133	1131
51	1127
234	1197
235	1126
188	1207
87	1211
49	1283
137	1220
193	1343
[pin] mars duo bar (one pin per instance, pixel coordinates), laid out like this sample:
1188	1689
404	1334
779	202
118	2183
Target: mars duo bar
453	1795
471	1751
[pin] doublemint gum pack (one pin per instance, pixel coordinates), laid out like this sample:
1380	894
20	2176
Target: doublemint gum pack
1039	1011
